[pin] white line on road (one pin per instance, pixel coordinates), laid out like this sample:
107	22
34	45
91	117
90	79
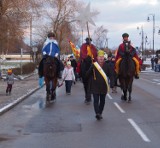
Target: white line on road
109	96
121	110
139	131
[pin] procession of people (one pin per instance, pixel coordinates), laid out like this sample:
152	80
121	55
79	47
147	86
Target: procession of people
97	73
92	68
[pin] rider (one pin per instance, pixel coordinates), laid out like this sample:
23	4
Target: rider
122	48
88	49
88	52
50	48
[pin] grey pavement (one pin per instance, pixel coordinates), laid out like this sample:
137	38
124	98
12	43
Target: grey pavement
20	90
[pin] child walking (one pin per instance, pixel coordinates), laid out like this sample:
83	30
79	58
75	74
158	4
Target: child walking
68	76
10	81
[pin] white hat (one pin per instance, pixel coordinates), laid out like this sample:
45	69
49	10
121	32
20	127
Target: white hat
69	63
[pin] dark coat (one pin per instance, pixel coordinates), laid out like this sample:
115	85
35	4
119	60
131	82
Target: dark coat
74	64
98	85
112	73
84	52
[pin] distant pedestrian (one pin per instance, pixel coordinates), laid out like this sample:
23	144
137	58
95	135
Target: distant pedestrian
112	74
74	65
156	60
152	63
10	81
68	76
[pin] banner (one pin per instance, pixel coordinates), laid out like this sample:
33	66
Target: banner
75	51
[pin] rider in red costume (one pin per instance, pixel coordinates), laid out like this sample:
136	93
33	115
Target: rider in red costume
120	54
88	49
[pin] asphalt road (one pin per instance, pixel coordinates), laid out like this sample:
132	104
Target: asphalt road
70	123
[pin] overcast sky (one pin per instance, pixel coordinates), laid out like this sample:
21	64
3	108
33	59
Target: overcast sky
119	16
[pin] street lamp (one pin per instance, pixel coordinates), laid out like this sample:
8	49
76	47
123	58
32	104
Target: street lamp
148	19
146	40
30	21
142	33
158	29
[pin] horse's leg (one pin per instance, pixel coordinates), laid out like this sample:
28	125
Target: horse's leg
54	85
87	93
130	90
123	88
47	89
124	96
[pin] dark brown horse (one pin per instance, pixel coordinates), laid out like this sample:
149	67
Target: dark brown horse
126	75
85	65
50	77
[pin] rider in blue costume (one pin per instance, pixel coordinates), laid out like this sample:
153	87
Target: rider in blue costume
50	48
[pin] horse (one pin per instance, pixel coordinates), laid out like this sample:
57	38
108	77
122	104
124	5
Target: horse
126	75
85	65
50	77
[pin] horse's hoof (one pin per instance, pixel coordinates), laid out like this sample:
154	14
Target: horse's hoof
122	98
129	100
47	102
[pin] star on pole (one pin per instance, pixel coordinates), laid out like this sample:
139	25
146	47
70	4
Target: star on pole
86	15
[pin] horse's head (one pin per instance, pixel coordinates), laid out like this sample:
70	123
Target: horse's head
50	67
127	66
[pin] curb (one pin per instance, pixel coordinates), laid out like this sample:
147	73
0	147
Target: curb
17	101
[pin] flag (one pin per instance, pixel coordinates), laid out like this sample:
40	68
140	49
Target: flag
75	51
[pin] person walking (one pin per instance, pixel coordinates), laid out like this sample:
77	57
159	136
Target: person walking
152	62
74	65
112	74
10	81
97	74
68	76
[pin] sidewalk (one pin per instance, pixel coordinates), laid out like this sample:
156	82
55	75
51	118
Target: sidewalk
21	89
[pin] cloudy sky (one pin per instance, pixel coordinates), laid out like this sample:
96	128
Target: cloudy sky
119	16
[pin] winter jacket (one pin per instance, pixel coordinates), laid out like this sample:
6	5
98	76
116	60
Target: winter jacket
97	85
68	74
10	79
51	48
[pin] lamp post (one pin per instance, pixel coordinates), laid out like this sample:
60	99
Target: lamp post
142	34
146	40
30	21
153	18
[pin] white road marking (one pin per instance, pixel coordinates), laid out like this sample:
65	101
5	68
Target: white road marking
120	109
153	82
139	131
109	96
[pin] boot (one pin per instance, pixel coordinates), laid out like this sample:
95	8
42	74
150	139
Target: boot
136	76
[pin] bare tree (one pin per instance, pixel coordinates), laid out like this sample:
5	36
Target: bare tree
60	18
100	36
13	15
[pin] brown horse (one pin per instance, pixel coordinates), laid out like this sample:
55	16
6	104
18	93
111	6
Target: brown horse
85	65
50	77
126	75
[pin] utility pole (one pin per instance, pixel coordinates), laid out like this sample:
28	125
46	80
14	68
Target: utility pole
142	40
153	30
30	30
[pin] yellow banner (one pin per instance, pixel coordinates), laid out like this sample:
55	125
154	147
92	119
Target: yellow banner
75	51
98	67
